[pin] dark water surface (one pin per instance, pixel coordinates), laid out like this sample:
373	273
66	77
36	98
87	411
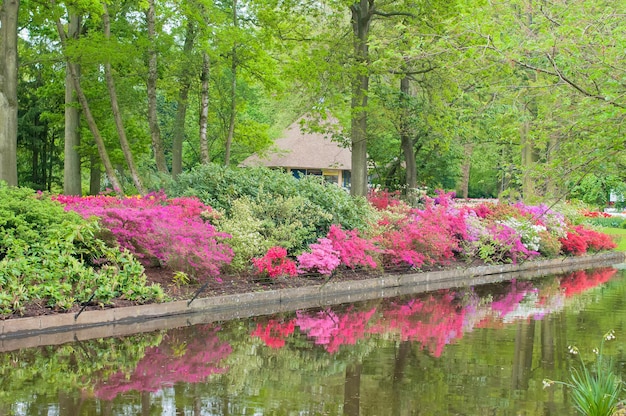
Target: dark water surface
479	351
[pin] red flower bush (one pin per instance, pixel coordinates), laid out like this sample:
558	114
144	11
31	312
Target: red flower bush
383	199
275	263
580	239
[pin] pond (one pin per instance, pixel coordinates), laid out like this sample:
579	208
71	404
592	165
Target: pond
473	351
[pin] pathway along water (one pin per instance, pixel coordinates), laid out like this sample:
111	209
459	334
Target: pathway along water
481	350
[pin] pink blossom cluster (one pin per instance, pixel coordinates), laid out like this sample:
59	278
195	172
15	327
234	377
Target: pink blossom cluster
172	231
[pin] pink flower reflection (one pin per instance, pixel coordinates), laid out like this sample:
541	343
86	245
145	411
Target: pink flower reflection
333	330
171	362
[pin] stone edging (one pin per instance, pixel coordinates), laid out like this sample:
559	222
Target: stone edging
61	328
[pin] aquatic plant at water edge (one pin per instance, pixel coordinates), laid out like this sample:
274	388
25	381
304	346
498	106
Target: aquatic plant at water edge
595	389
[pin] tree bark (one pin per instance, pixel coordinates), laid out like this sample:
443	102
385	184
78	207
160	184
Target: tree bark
91	122
119	123
233	94
71	164
465	169
204	109
151	86
361	19
9	11
178	136
406	142
95	175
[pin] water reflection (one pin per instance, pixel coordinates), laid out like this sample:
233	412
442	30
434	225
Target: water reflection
471	351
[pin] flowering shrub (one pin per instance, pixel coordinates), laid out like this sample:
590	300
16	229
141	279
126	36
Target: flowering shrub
353	250
595	241
171	231
594	214
322	258
383	199
580	239
528	233
574	244
430	235
500	244
275	263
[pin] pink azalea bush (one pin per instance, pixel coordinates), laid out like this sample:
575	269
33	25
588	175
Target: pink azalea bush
423	236
322	258
171	231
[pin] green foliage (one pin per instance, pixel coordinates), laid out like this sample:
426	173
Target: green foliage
595	389
610	222
219	186
54	256
258	224
594	190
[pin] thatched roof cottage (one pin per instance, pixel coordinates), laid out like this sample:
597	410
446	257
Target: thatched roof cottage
307	153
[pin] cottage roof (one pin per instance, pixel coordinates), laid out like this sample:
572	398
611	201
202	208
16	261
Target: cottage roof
299	149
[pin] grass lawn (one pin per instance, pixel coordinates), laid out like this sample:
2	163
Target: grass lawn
618	235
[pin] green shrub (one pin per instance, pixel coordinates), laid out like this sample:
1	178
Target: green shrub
220	186
258	224
54	256
610	222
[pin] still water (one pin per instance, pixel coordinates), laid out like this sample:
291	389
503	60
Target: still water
473	351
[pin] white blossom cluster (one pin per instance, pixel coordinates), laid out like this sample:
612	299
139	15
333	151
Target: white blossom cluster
528	232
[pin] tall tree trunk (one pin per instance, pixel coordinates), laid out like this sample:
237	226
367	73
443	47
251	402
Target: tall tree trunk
115	108
91	122
528	160
95	175
406	142
233	94
204	109
361	19
465	169
71	165
9	11
151	86
178	136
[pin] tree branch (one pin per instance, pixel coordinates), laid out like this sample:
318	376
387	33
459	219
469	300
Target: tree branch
392	14
577	87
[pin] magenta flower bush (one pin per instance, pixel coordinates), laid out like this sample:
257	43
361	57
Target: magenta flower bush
170	231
